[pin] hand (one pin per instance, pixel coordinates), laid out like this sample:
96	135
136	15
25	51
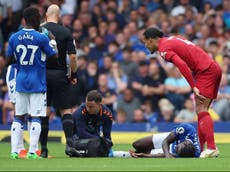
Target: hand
133	154
116	73
169	156
73	81
145	90
198	96
72	78
136	155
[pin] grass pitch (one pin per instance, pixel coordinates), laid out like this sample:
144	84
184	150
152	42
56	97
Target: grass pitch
60	162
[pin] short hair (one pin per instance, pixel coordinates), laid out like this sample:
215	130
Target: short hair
188	151
94	95
152	33
32	17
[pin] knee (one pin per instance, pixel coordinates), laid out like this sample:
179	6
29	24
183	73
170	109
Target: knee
20	118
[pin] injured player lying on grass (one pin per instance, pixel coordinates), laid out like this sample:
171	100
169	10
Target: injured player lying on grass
182	141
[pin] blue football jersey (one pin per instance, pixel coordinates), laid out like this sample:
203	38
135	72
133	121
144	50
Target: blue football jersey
30	48
184	132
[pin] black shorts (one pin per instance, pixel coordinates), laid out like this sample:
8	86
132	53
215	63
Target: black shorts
58	89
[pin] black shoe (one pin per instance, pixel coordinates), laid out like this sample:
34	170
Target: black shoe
44	153
72	152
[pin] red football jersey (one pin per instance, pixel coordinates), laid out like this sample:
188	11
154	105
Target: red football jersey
196	58
185	55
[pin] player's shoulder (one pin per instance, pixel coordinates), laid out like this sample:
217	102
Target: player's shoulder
82	109
106	112
184	127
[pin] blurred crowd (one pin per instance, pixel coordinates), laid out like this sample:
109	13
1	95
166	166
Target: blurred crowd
136	85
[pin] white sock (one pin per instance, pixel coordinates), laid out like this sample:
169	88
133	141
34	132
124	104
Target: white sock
121	154
16	128
29	126
21	141
35	131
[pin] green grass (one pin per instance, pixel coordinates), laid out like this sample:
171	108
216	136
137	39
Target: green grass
61	162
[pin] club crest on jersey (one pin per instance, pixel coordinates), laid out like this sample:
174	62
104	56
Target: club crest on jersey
163	54
180	130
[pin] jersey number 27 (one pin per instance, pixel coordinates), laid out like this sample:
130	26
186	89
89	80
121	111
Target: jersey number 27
25	52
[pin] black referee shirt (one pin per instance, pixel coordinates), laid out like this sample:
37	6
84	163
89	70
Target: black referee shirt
65	45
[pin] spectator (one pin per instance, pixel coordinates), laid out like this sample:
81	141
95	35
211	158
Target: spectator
90	79
187	114
153	89
177	88
117	80
166	110
180	9
222	103
128	65
77	31
97	51
139	80
109	96
128	103
6	18
120	117
138	116
114	50
151	115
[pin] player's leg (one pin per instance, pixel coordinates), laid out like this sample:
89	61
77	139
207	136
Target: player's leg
17	125
37	109
208	85
44	133
68	127
11	85
62	101
51	85
206	128
34	137
143	145
29	122
16	132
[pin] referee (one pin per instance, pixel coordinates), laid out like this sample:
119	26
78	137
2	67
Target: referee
58	83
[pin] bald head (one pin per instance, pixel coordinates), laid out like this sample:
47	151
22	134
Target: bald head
53	13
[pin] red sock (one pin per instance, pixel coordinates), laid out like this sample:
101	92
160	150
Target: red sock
201	136
206	129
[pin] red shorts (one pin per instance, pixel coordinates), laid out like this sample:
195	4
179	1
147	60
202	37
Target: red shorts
208	81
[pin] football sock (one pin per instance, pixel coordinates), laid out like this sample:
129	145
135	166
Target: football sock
44	132
16	128
201	136
206	127
35	131
121	154
21	140
28	128
67	123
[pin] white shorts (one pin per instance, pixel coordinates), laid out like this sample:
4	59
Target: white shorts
157	140
30	103
11	82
